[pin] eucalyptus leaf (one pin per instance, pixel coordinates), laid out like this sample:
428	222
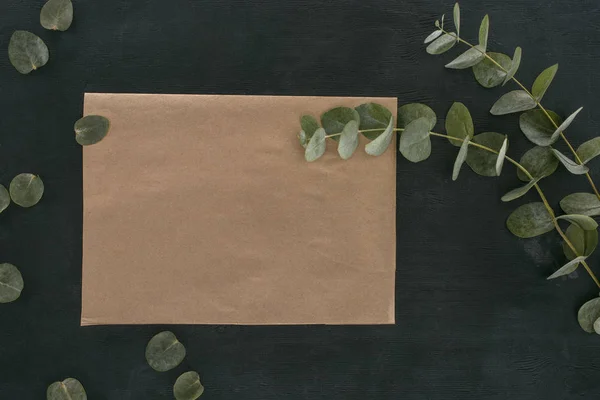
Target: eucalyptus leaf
538	128
334	120
373	116
303	139
459	123
460	159
443	17
469	58
413	111
530	220
415	142
188	386
564	125
26	190
583	221
514	65
519	192
11	283
567	268
539	161
309	125
581	203
442	44
69	389
481	161
348	140
57	15
543	81
316	146
501	156
570	165
381	143
483	32
589	150
584	242
27	52
513	102
4	198
456	15
588	314
432	36
597	326
488	74
164	352
91	129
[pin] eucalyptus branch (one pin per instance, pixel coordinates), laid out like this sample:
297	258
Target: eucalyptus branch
484	153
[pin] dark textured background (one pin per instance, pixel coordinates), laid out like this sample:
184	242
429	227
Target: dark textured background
475	317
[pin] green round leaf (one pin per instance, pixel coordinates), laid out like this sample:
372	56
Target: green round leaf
482	161
11	283
348	140
442	44
469	58
188	386
459	123
513	102
91	129
530	220
373	116
584	241
316	146
415	141
4	198
57	15
589	150
581	203
538	128
378	146
335	120
539	161
588	314
597	326
164	352
309	125
27	51
303	139
543	81
413	111
26	190
488	74
69	389
432	36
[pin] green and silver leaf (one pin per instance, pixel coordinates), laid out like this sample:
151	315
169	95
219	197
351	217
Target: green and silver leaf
348	140
69	389
581	203
543	81
564	126
334	120
501	156
583	221
568	268
469	58
538	128
514	66
373	116
415	141
309	125
442	44
519	192
483	32
530	220
570	165
413	111
27	52
488	74
584	242
432	36
91	129
378	146
588	314
316	146
481	161
57	15
11	283
597	326
303	139
188	386
513	102
26	190
539	161
589	150
4	198
456	16
460	159
459	123
164	352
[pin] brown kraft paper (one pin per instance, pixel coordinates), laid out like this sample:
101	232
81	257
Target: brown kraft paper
200	209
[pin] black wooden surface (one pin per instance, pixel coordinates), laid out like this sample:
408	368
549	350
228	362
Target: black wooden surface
475	317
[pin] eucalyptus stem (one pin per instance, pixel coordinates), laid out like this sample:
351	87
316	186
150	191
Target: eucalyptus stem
539	105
